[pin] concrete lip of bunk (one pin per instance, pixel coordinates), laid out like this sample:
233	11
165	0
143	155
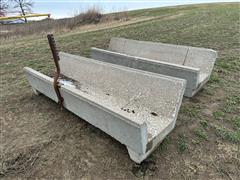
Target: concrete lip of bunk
137	108
190	63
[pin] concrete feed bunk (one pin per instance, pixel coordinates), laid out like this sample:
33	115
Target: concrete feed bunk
135	107
190	63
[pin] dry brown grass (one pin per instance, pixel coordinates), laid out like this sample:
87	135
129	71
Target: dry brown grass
91	16
120	16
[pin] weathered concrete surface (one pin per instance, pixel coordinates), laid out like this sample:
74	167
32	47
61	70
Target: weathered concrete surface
190	63
180	71
135	107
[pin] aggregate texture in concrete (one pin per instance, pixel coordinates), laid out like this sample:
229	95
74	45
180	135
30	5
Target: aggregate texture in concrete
190	63
135	107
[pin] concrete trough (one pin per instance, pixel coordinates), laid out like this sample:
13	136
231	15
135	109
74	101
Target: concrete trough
137	108
190	63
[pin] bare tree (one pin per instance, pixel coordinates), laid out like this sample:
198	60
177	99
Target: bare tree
4	4
25	7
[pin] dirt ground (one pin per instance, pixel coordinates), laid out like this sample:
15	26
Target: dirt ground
38	140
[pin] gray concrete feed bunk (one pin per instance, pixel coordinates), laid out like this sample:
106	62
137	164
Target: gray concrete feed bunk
137	108
190	63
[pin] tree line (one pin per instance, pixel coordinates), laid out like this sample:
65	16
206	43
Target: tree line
20	6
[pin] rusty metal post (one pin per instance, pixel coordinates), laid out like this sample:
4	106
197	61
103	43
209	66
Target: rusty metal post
56	58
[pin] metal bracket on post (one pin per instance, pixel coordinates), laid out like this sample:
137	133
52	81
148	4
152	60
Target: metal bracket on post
56	58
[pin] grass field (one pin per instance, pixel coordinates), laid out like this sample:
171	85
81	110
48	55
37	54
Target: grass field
40	140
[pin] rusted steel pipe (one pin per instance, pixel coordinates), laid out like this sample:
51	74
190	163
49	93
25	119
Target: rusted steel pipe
56	58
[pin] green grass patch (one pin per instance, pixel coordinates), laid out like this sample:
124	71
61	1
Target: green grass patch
214	78
232	102
164	145
192	112
218	115
182	143
225	134
204	124
201	134
236	122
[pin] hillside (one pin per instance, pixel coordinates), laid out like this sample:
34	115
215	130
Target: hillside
40	140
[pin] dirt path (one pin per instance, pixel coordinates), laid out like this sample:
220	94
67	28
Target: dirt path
87	28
